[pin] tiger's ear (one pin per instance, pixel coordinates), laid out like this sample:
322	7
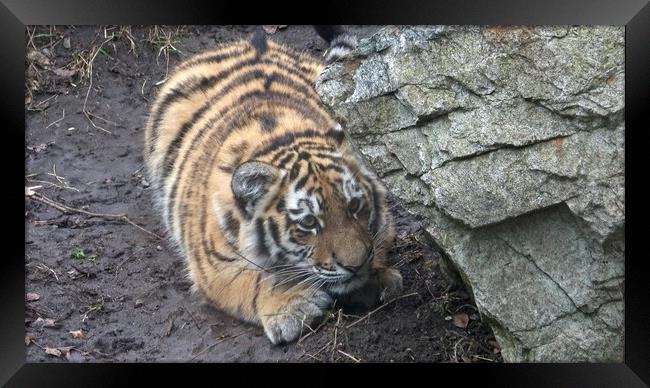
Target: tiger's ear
250	181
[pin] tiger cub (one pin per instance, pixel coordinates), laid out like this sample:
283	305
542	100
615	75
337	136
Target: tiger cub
260	189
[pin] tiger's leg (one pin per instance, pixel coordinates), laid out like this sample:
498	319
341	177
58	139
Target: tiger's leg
290	312
382	284
249	294
388	280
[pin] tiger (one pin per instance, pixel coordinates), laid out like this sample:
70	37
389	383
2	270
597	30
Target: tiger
260	189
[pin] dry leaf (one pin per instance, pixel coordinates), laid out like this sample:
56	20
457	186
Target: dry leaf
47	322
29	191
77	333
32	296
64	73
65	349
53	351
460	320
39	58
74	356
74	274
39	148
29	339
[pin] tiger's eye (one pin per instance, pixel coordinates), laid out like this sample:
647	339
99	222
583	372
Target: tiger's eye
309	222
354	205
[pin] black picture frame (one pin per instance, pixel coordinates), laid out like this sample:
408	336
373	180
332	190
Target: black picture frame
16	14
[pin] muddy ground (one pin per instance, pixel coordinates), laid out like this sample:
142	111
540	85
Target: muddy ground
103	290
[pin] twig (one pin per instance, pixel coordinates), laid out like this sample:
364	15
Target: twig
314	330
44	101
455	346
142	90
379	308
348	355
66	209
482	358
336	331
314	357
56	121
323	348
55	175
84	316
44	267
192	316
31	37
138	170
218	342
54	184
88	274
103	119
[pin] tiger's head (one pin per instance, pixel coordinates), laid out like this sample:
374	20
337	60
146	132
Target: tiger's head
320	220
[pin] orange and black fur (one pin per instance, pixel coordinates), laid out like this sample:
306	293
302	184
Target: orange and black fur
261	190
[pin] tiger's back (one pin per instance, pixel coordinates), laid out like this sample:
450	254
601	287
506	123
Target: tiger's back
251	100
218	102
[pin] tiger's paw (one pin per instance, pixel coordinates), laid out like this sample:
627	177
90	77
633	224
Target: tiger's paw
390	284
294	317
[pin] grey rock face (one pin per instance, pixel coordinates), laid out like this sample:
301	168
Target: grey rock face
510	143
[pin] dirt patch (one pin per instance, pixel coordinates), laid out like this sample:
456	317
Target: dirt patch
102	289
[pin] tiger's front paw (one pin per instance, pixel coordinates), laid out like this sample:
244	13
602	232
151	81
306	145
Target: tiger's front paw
390	284
293	318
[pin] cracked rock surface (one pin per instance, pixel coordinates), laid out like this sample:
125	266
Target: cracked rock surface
509	143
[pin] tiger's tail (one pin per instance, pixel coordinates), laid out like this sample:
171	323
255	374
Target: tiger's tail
340	41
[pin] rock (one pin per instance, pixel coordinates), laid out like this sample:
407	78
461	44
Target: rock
509	143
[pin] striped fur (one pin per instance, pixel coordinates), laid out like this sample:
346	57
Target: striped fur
261	190
340	42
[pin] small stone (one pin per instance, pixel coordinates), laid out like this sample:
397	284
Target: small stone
138	303
158	248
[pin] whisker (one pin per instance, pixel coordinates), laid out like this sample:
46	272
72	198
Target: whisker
285	281
275	276
310	278
316	286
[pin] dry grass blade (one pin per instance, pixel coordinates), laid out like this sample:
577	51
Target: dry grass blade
53	185
379	308
218	342
349	356
314	357
316	329
320	350
164	41
45	268
89	64
336	331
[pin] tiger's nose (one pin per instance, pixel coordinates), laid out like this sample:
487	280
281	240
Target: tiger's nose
328	266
